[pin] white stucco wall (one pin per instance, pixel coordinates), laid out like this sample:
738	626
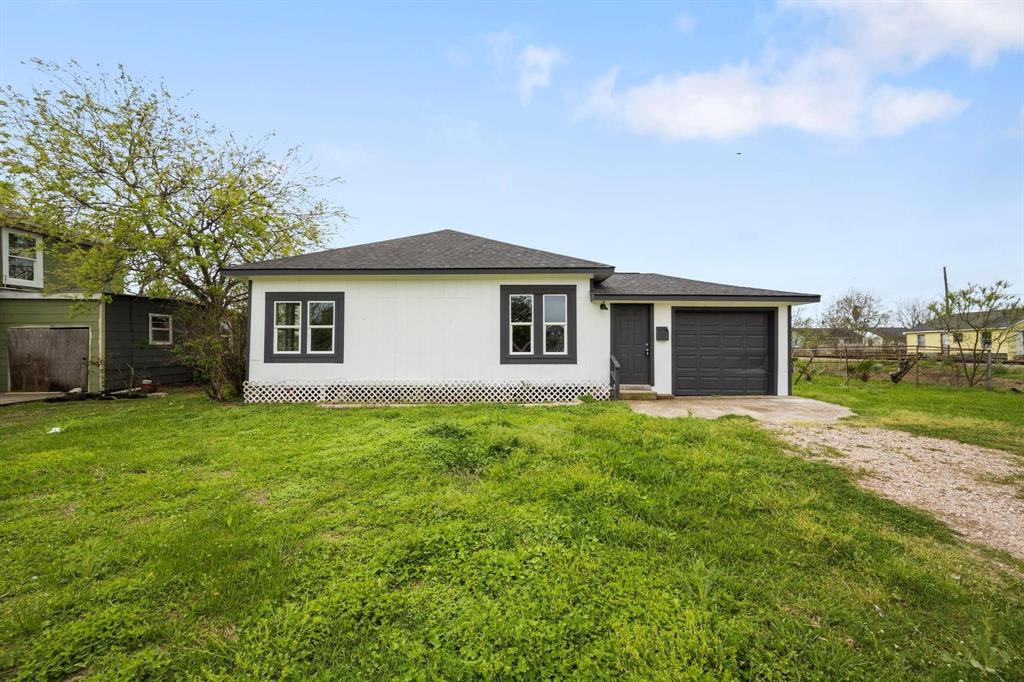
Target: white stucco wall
436	327
428	328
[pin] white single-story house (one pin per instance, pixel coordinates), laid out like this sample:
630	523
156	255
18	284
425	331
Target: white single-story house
448	316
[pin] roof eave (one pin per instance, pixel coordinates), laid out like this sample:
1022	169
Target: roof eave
794	298
241	272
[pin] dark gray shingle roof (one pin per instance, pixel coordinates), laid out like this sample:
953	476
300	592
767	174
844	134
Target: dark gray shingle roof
433	251
648	284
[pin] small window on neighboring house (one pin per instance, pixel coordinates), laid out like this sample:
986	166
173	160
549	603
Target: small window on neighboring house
946	338
161	330
554	323
287	315
986	339
321	326
958	337
23	258
920	340
521	321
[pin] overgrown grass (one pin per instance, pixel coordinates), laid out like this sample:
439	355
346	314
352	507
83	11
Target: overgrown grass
971	415
178	538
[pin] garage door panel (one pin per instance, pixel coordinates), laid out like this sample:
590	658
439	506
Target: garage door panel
687	362
733	362
721	352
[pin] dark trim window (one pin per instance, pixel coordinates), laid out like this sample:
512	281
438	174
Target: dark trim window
306	327
538	324
161	330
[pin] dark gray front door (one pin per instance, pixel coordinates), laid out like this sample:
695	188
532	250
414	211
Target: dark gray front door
631	342
722	352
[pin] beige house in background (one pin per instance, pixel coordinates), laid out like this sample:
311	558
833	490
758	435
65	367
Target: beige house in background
1007	336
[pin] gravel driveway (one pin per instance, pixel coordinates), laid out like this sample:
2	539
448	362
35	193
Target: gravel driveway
970	488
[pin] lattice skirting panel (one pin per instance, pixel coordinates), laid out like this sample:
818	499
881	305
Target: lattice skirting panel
410	392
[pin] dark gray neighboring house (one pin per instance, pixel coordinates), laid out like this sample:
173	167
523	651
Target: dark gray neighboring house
139	337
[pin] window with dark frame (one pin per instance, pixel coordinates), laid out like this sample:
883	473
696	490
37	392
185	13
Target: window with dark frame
538	324
304	327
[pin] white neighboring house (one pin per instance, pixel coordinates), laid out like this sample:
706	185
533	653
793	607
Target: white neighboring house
448	316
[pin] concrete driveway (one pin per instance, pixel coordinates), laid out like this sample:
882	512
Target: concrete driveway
771	409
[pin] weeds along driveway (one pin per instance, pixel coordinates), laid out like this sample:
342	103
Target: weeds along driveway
977	491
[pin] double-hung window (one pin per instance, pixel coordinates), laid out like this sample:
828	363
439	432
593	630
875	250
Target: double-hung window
521	323
538	324
161	330
23	258
321	327
287	326
555	323
304	327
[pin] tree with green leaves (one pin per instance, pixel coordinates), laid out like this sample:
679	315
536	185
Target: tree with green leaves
979	319
163	201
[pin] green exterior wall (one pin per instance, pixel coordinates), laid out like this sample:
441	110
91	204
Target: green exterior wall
52	313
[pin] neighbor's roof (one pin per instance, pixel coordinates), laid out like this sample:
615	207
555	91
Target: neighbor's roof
998	319
433	252
647	285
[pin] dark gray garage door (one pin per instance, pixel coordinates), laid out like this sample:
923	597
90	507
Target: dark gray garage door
722	352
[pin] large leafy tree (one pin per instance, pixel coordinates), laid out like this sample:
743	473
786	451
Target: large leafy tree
163	200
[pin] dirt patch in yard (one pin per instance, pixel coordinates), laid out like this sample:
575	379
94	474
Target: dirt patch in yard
977	491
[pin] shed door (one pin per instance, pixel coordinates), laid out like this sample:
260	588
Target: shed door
722	352
48	359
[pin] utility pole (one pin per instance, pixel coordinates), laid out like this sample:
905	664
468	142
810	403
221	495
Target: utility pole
945	289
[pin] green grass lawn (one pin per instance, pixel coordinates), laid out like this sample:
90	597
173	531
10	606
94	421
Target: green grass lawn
178	538
971	415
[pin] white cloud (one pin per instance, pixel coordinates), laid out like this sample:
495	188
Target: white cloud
893	111
917	32
837	90
535	67
685	23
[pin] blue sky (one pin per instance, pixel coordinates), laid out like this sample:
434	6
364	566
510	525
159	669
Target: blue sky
798	145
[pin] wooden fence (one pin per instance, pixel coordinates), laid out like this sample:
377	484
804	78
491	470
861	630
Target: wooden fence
895	353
